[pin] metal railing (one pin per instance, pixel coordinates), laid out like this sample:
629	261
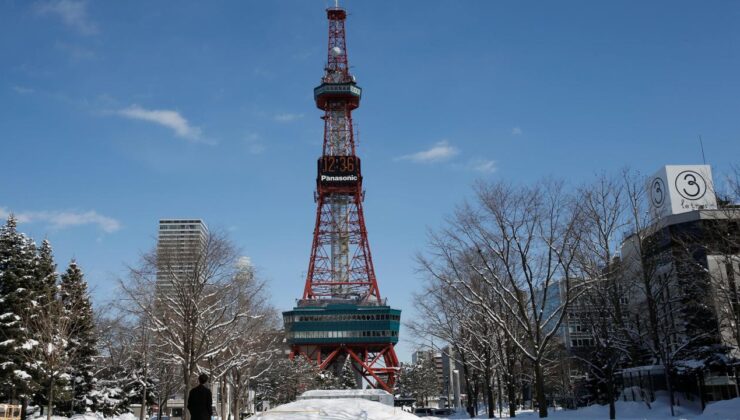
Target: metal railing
10	412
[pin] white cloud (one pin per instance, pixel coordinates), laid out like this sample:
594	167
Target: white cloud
485	166
256	148
254	143
516	131
65	219
72	12
22	90
75	53
287	117
439	152
164	117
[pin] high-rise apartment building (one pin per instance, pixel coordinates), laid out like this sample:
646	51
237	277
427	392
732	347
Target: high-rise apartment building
179	246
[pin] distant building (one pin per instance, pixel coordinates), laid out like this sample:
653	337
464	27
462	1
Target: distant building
691	254
683	250
448	369
436	356
692	250
179	246
454	383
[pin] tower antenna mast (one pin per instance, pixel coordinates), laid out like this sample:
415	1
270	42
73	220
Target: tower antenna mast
701	143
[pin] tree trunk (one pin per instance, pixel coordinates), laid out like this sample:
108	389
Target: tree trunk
186	394
500	396
224	399
511	392
50	397
669	385
472	401
143	401
235	392
489	399
471	398
539	385
610	392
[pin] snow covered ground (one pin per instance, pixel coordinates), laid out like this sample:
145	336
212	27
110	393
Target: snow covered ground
92	416
356	409
335	409
659	409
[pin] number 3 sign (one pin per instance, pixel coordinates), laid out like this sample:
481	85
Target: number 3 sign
691	185
679	189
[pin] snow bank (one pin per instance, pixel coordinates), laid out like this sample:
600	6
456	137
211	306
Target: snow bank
335	409
728	409
94	416
659	409
349	393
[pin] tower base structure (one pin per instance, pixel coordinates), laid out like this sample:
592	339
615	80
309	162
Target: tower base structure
328	332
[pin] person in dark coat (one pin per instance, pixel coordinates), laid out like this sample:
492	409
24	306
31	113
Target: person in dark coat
200	401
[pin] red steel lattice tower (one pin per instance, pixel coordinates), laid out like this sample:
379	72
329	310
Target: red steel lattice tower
340	264
341	316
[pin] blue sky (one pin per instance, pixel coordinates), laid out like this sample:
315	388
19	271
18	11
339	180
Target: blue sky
116	114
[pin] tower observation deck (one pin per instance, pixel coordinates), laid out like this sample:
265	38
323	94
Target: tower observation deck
341	315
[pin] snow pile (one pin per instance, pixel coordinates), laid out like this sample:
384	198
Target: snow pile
335	409
349	393
728	409
659	409
94	416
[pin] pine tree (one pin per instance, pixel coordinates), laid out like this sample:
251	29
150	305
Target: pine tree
45	279
346	378
404	382
326	380
17	254
83	342
44	292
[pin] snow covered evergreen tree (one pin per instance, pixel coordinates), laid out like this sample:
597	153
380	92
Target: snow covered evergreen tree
346	378
286	380
83	341
419	380
115	371
44	295
326	380
17	254
47	355
45	279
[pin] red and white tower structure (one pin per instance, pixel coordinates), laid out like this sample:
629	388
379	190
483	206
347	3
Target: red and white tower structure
341	316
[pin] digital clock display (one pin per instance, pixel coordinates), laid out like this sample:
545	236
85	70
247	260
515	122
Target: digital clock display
338	170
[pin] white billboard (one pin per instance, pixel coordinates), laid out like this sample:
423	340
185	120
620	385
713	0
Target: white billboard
676	189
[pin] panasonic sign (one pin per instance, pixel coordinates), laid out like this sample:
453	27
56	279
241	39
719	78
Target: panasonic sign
347	178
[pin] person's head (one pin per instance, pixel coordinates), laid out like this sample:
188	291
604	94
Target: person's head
203	378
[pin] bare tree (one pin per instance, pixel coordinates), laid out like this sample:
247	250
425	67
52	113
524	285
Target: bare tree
198	306
521	243
257	353
255	341
601	311
443	316
48	353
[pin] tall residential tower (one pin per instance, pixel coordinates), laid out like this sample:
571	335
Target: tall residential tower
179	245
